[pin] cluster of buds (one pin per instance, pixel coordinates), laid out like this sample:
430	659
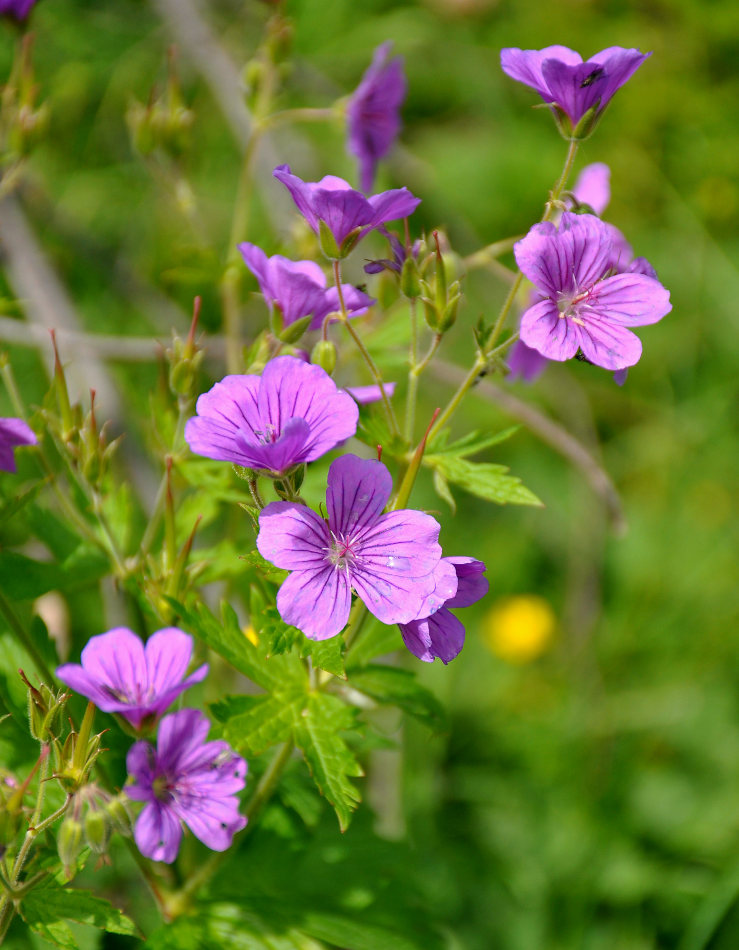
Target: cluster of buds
23	123
45	708
439	295
185	357
93	816
164	123
76	755
77	432
269	65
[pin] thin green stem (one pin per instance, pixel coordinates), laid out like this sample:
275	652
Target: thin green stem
285	116
18	631
231	281
372	366
411	396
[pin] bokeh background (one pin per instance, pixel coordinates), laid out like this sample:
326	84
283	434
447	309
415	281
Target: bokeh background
586	793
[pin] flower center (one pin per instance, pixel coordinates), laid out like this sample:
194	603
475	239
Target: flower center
568	305
268	434
162	788
340	552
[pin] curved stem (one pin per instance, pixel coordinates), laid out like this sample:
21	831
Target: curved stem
372	366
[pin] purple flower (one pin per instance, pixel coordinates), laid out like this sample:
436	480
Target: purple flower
367	394
388	559
13	432
373	112
343	210
440	634
121	675
573	87
298	288
185	779
292	413
582	306
19	9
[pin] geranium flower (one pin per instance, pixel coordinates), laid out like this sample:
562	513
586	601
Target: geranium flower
373	113
185	779
298	288
441	634
570	86
122	675
13	432
388	559
292	413
583	307
344	211
18	9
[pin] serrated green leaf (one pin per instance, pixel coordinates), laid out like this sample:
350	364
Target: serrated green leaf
469	444
228	639
329	759
252	724
396	687
13	505
483	479
45	909
326	655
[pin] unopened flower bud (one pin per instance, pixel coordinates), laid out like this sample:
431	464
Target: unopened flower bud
410	283
44	709
295	330
69	843
98	829
119	815
323	354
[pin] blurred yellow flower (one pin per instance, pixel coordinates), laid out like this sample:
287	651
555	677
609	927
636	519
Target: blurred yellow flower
251	635
519	629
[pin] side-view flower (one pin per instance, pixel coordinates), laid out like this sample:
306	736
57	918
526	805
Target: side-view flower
583	307
345	212
373	112
298	288
292	413
388	559
185	779
439	633
120	674
13	432
570	86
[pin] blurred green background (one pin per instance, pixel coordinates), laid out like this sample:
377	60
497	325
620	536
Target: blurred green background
587	797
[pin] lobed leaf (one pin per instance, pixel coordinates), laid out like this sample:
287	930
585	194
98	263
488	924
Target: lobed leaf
483	479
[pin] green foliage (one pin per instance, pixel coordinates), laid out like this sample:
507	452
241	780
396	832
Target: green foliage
483	479
397	687
46	910
329	759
